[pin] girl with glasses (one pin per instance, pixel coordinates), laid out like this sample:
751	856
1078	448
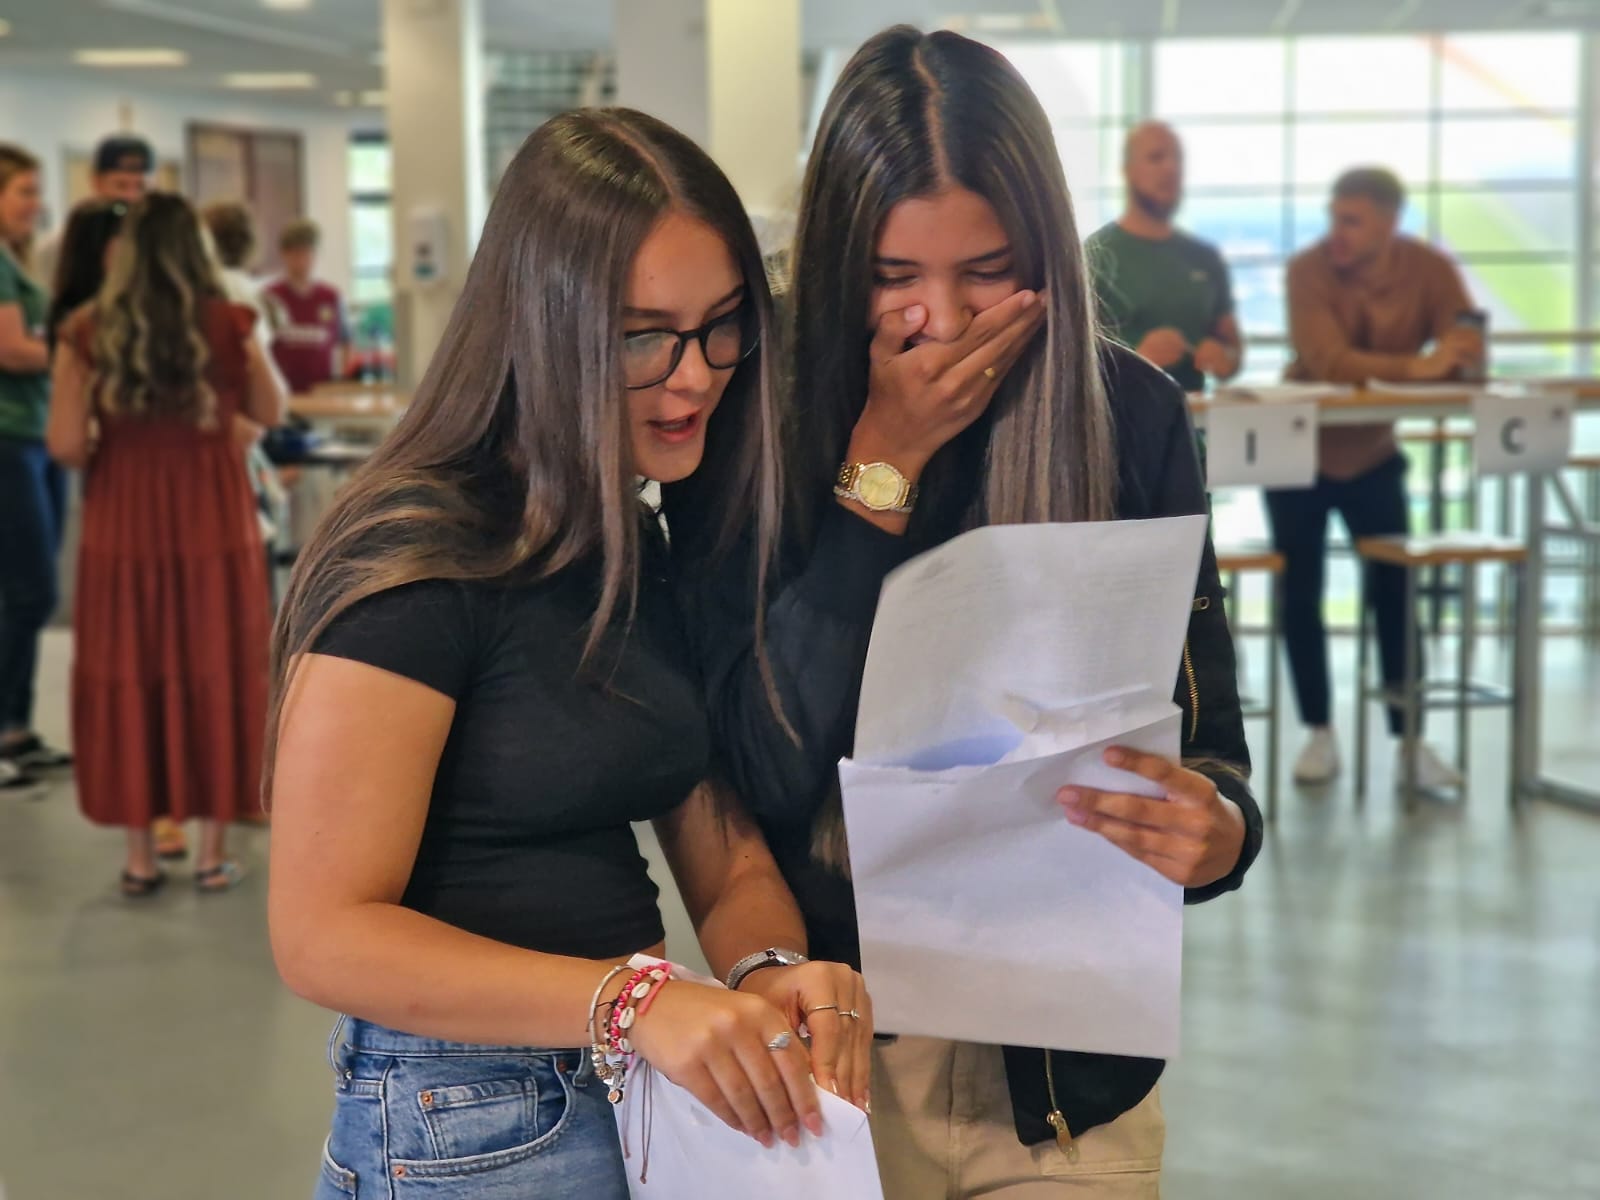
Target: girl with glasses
482	680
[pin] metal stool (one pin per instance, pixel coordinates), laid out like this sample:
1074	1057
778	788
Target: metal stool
1231	564
1440	439
1588	468
1414	555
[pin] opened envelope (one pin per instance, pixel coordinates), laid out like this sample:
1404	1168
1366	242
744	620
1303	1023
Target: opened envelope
1001	666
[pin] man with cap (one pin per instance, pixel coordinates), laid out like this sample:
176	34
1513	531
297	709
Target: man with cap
122	166
1160	291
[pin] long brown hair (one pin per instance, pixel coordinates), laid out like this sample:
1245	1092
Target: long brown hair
14	161
150	346
913	114
514	454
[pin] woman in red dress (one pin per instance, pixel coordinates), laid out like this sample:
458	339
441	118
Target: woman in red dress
169	679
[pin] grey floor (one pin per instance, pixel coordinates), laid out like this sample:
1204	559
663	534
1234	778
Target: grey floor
1393	1007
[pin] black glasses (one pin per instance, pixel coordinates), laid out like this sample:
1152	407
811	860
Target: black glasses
650	356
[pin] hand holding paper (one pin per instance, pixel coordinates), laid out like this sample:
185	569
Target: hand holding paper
1193	835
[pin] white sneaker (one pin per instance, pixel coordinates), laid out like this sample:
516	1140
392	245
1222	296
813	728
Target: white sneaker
1433	773
1319	761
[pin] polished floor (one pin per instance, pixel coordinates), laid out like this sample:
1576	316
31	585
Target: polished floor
1394	1008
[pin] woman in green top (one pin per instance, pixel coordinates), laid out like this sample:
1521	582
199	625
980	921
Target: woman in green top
32	488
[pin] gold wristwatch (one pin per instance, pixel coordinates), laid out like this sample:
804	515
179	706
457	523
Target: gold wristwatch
876	486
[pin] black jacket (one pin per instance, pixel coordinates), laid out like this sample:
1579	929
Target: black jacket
818	627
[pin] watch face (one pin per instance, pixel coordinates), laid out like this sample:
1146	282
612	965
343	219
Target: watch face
879	486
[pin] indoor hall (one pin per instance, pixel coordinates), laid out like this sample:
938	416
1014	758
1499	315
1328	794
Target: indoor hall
1399	998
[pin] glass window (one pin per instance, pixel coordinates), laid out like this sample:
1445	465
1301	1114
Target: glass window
1509	70
1075	81
1241	226
1323	150
1524	295
1362	74
1492	150
1189	83
371	166
371	238
1501	221
1258	298
1081	158
1231	155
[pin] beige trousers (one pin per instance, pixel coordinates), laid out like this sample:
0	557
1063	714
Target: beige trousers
942	1126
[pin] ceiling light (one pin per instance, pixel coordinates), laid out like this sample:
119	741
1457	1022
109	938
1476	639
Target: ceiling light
269	81
286	5
374	99
130	58
5	27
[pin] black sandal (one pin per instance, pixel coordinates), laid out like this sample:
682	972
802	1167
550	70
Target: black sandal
136	887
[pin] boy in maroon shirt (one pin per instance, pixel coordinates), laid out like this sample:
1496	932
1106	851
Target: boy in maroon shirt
308	319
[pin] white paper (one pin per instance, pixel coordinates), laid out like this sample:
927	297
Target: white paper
678	1149
1001	667
1048	615
1426	391
1280	393
692	1155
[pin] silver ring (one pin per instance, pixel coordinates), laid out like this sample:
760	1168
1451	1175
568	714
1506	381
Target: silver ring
782	1042
822	1008
852	1014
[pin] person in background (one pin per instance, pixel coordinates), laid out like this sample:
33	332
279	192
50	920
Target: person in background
233	236
1161	291
169	683
1365	303
84	261
121	171
310	331
33	493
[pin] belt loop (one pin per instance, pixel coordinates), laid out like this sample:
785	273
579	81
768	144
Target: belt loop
339	1053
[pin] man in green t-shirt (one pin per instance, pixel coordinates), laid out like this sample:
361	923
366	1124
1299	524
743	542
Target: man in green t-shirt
1162	292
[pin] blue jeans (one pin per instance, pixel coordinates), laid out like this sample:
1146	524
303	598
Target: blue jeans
420	1117
33	505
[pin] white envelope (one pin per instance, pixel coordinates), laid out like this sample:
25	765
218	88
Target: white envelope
1001	666
678	1150
986	916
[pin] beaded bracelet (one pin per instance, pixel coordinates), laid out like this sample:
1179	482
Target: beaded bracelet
609	1069
639	987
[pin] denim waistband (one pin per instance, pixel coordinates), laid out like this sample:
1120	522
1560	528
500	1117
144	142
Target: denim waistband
353	1035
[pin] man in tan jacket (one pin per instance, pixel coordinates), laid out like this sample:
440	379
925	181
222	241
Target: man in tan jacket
1364	303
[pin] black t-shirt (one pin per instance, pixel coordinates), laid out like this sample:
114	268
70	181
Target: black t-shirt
528	838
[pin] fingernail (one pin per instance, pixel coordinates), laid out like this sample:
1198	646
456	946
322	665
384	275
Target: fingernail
1074	817
1115	757
1069	796
791	1135
916	314
1029	299
765	1139
814	1123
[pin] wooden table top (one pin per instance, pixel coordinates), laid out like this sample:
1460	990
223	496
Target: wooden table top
345	402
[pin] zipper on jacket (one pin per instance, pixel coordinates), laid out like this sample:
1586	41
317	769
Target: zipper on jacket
1057	1121
1194	691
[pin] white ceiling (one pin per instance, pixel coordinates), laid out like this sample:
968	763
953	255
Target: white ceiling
337	40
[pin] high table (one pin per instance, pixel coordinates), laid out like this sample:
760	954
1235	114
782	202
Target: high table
1364	407
367	407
